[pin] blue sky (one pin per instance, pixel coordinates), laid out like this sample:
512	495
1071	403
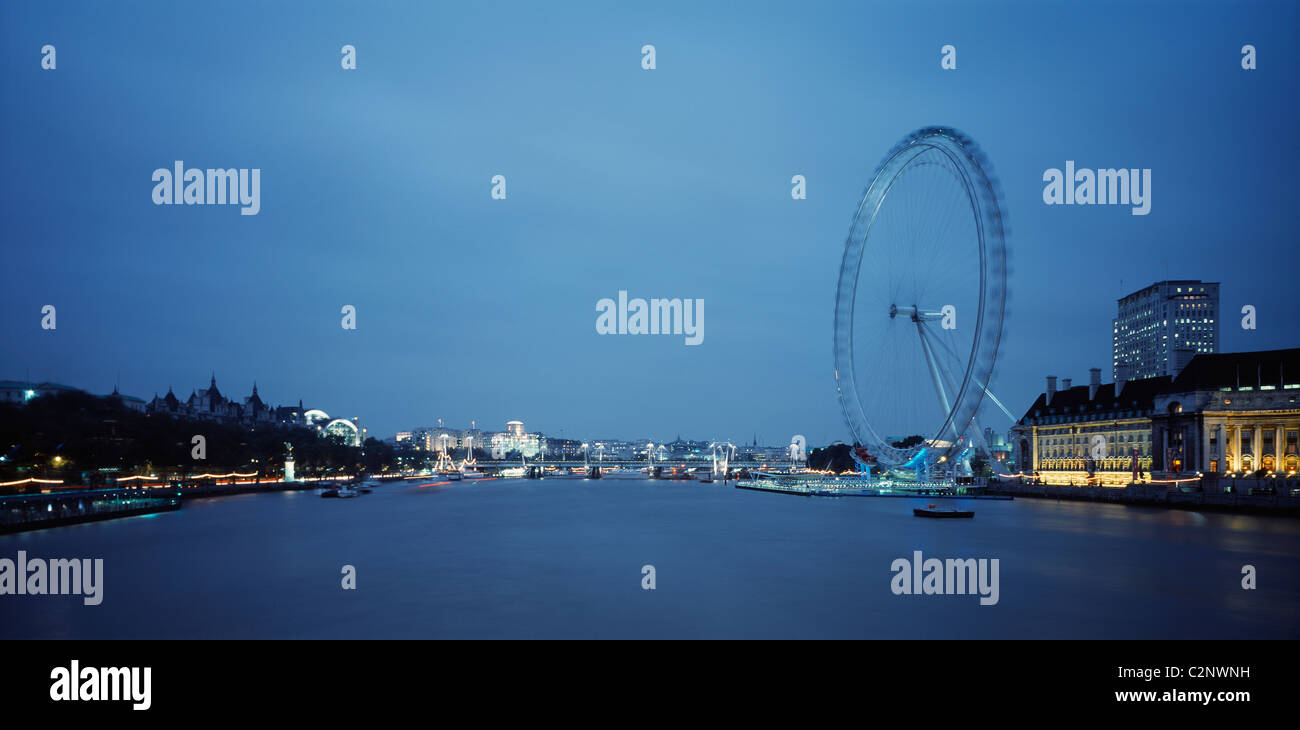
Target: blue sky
664	183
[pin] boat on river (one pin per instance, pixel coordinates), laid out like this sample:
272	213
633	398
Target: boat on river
941	512
621	473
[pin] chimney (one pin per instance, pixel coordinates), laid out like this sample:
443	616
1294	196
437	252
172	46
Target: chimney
1051	388
1065	383
1094	382
1121	378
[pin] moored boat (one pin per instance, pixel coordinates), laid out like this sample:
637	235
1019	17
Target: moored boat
932	511
623	474
564	474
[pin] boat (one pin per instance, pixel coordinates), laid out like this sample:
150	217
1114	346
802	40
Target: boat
676	475
620	473
513	472
564	474
931	511
342	492
471	474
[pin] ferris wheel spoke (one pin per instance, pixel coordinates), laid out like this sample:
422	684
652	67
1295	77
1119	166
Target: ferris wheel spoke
933	364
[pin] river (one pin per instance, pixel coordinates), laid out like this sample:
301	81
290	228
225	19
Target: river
518	558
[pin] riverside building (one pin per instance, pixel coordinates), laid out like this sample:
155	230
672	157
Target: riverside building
1224	413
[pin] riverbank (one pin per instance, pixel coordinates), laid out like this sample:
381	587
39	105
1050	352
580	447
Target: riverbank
1155	495
61	507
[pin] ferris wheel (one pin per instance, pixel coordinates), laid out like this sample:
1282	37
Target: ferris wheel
921	300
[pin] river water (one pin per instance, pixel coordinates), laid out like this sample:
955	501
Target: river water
517	558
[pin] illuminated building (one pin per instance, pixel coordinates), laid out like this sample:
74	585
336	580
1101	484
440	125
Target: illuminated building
1231	413
1057	437
344	430
1159	329
1223	413
563	449
514	439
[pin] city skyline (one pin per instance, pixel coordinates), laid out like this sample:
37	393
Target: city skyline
674	183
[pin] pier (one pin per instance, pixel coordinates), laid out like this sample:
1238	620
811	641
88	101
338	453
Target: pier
21	512
1260	496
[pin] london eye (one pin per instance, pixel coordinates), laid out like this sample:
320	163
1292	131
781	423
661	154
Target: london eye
920	302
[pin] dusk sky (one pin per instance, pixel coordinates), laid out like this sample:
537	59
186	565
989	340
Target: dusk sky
375	192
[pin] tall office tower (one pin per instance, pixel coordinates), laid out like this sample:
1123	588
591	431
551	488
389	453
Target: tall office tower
1159	329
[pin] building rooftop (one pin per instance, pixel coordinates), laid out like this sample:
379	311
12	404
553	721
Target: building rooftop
1135	394
1212	371
1206	371
1167	282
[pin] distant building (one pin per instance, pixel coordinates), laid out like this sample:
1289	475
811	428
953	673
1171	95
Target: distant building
210	405
129	401
21	391
437	439
1159	329
14	391
998	445
345	430
563	449
615	449
682	450
514	439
